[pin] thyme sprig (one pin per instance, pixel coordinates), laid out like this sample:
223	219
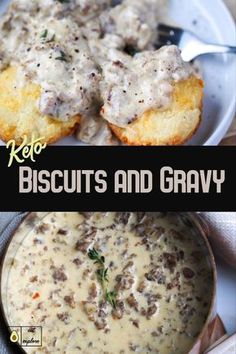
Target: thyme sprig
64	1
62	57
111	298
52	39
44	36
102	274
95	256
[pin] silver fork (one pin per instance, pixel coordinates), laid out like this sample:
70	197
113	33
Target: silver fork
191	46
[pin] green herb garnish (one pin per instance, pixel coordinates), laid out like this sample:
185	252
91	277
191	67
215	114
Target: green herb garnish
95	256
62	56
52	39
111	298
44	34
63	1
102	273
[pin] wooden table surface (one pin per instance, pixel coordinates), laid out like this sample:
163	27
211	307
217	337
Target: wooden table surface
230	138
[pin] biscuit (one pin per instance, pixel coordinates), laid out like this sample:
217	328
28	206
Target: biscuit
172	126
20	116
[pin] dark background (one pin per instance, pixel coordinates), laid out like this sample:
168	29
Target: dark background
112	159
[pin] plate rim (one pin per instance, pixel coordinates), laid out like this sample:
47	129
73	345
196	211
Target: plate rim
219	133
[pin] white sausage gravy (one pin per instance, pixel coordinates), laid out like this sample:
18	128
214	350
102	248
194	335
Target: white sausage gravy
110	283
92	58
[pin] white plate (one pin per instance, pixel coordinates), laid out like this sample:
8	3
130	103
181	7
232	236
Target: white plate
211	20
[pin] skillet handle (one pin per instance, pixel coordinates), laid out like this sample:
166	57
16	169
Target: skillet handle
214	333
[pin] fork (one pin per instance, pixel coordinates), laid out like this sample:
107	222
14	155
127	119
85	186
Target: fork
190	45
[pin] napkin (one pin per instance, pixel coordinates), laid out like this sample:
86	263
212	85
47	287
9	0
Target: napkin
222	235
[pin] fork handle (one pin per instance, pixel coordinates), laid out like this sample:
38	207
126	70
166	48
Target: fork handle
211	48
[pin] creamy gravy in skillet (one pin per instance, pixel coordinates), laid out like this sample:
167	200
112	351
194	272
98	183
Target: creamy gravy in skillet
77	51
157	266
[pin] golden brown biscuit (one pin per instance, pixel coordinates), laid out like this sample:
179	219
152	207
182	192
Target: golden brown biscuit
172	126
19	115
